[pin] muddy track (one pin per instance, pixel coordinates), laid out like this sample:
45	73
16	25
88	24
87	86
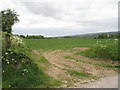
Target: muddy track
59	65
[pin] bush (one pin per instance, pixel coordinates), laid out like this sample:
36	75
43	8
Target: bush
106	50
19	71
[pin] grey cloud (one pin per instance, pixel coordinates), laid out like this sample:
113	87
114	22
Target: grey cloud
46	9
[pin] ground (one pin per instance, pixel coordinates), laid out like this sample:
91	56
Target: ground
75	70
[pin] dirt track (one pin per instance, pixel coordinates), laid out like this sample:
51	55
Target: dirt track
58	66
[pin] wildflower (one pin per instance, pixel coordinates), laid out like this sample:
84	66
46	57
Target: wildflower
8	62
115	39
25	70
6	53
16	41
23	74
9	85
3	71
12	59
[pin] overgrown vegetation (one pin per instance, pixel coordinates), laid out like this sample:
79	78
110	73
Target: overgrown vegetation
19	71
18	67
105	35
108	50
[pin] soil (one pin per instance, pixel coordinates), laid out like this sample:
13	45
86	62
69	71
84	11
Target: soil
59	65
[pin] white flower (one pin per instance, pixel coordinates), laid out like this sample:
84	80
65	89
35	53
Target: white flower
9	85
116	39
16	41
8	62
25	69
23	74
6	53
12	58
3	71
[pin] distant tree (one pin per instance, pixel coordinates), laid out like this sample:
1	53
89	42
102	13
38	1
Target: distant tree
34	37
67	37
103	35
22	36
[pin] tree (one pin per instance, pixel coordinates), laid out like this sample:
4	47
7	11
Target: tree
9	18
102	36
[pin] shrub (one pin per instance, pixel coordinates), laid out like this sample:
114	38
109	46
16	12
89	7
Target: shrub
19	71
106	50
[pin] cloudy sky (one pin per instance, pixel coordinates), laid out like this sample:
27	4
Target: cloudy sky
63	17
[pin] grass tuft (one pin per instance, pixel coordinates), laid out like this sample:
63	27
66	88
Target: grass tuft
76	73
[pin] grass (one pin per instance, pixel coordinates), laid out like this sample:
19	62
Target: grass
76	73
96	64
43	60
106	50
49	83
54	44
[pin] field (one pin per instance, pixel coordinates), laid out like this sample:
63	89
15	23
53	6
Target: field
54	44
74	62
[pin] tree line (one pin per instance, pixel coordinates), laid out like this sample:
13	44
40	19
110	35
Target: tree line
31	36
105	35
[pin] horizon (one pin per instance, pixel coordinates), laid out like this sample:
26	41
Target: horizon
67	35
52	18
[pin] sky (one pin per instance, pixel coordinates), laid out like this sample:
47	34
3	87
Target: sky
52	18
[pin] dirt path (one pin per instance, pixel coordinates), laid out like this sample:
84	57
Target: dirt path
59	66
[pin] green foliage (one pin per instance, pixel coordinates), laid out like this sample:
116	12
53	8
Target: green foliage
9	18
105	35
34	37
67	37
19	71
108	50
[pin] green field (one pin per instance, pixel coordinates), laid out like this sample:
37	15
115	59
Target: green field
54	44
